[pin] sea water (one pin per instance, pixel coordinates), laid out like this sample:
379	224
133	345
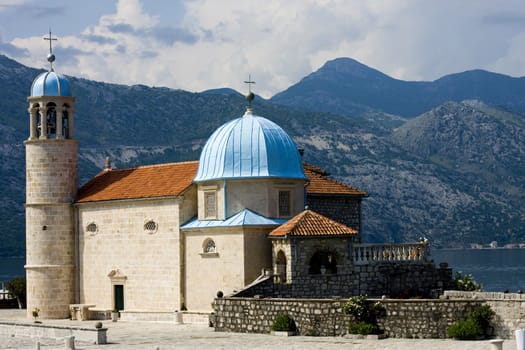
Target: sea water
497	270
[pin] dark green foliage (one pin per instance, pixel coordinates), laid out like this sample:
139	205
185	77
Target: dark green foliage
483	315
284	323
465	282
477	325
363	328
465	330
17	288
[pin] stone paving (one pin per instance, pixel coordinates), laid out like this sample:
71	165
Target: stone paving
156	335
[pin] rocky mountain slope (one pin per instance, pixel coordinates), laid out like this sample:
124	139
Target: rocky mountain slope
421	179
347	87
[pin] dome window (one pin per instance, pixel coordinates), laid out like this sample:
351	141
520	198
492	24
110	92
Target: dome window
285	206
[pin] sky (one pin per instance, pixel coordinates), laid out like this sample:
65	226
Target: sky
197	45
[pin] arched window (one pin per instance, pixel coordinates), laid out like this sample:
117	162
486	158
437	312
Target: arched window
280	267
65	122
323	262
51	119
38	120
209	246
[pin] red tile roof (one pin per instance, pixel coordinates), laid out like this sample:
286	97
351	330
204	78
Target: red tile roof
320	183
310	223
171	179
141	182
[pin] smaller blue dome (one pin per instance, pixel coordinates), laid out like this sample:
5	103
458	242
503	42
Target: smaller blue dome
249	147
50	84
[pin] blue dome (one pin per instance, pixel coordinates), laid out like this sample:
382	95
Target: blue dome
249	147
50	84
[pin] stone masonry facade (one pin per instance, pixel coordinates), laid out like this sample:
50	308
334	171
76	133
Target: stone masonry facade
343	209
420	318
400	279
403	318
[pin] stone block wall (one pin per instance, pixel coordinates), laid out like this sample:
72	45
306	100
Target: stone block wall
422	318
322	317
509	308
343	209
401	279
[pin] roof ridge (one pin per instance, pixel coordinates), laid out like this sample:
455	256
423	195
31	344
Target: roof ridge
150	166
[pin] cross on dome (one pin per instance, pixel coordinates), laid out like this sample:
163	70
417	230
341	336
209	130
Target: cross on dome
50	56
250	95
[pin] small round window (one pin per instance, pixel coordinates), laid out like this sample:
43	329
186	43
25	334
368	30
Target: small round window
150	226
92	228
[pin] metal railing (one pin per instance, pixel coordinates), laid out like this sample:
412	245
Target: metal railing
376	253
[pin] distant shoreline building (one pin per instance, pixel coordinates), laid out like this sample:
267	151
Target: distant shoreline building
158	238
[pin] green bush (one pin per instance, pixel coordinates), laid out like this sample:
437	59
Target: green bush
284	323
482	315
465	330
363	328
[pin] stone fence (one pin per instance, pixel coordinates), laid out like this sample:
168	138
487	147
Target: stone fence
377	253
405	318
37	330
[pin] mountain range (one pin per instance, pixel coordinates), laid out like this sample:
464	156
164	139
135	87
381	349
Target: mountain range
442	159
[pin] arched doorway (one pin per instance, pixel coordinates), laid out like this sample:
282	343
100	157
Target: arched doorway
280	267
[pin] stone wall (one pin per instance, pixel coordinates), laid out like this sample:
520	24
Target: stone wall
509	308
343	209
421	318
400	279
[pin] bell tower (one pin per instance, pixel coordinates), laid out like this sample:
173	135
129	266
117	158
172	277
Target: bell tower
51	187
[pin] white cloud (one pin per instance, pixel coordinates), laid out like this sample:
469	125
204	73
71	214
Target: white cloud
218	44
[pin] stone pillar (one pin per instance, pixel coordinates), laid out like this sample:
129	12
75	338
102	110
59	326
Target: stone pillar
71	110
43	123
32	123
59	123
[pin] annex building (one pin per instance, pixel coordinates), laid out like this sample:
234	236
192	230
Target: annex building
247	217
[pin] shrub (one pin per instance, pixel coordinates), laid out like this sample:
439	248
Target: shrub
475	326
284	323
363	328
465	282
465	330
363	310
482	315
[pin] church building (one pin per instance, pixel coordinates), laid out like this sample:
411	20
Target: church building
157	238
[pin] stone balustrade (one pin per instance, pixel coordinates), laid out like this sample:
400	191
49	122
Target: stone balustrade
378	253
